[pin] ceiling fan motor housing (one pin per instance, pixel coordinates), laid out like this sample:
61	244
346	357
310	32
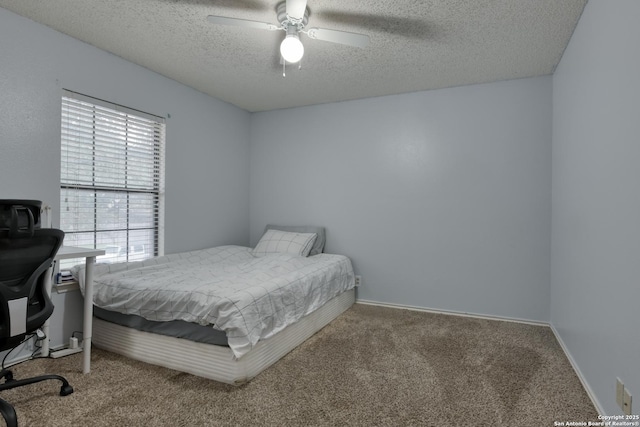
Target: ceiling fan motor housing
286	21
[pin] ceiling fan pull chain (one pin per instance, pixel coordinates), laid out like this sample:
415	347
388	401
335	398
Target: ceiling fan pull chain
284	68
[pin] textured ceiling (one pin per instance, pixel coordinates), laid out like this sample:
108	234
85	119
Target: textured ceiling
415	45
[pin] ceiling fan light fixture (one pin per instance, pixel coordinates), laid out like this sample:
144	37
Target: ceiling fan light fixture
291	47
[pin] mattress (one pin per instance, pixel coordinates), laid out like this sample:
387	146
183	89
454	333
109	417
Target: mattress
213	361
226	288
172	328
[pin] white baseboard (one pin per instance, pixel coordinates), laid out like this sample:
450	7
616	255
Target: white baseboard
576	369
453	313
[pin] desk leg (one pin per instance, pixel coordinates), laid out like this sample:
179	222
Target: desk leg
88	314
44	350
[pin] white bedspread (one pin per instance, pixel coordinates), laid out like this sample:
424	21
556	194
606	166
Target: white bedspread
247	297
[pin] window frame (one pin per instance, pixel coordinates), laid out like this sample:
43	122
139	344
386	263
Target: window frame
122	119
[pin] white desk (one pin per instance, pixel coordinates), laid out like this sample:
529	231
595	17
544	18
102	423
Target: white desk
70	252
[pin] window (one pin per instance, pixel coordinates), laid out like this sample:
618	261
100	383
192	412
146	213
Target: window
111	179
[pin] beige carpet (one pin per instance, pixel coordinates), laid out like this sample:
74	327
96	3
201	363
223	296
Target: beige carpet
370	367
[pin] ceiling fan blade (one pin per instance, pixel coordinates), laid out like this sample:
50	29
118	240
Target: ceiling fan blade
296	8
341	37
235	4
221	20
414	28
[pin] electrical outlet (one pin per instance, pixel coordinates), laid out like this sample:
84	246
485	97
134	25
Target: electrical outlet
358	280
626	405
620	393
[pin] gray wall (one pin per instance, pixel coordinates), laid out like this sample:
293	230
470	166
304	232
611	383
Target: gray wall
440	198
207	183
595	287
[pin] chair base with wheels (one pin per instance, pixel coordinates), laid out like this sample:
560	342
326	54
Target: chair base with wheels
8	413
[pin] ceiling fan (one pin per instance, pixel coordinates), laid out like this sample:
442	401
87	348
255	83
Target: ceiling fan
293	16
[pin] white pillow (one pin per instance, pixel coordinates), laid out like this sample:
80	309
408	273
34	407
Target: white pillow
284	242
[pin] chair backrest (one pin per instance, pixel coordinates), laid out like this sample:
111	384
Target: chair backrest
24	262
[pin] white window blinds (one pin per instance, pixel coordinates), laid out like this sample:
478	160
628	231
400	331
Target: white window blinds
112	179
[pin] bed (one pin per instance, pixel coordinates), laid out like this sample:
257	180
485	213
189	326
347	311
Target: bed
224	313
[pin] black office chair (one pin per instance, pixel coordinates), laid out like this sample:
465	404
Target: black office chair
26	253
